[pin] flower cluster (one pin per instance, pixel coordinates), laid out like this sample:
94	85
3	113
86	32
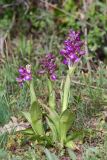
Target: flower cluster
72	52
73	48
48	66
24	75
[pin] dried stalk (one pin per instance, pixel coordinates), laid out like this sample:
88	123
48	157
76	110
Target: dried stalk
3	38
86	36
55	7
93	87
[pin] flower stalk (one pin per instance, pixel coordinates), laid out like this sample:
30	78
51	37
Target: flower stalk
66	91
32	93
52	100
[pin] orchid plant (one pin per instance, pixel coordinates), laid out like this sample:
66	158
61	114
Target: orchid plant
59	122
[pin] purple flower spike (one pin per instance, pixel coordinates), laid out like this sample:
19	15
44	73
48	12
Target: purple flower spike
24	75
73	48
48	66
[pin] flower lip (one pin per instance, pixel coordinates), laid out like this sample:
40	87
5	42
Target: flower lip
21	70
53	77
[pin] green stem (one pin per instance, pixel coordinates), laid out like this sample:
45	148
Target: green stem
67	88
52	100
32	93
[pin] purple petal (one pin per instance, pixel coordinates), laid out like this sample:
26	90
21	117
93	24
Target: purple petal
76	60
41	71
72	56
19	79
63	51
65	61
53	77
21	70
82	53
27	78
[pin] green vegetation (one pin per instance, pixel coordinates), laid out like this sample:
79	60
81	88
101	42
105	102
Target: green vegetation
28	30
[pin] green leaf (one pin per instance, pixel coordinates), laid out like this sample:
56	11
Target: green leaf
27	116
53	122
50	156
71	145
66	120
28	131
71	154
76	135
53	129
36	118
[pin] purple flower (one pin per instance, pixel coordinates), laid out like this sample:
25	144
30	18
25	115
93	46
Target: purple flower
73	48
24	75
48	66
